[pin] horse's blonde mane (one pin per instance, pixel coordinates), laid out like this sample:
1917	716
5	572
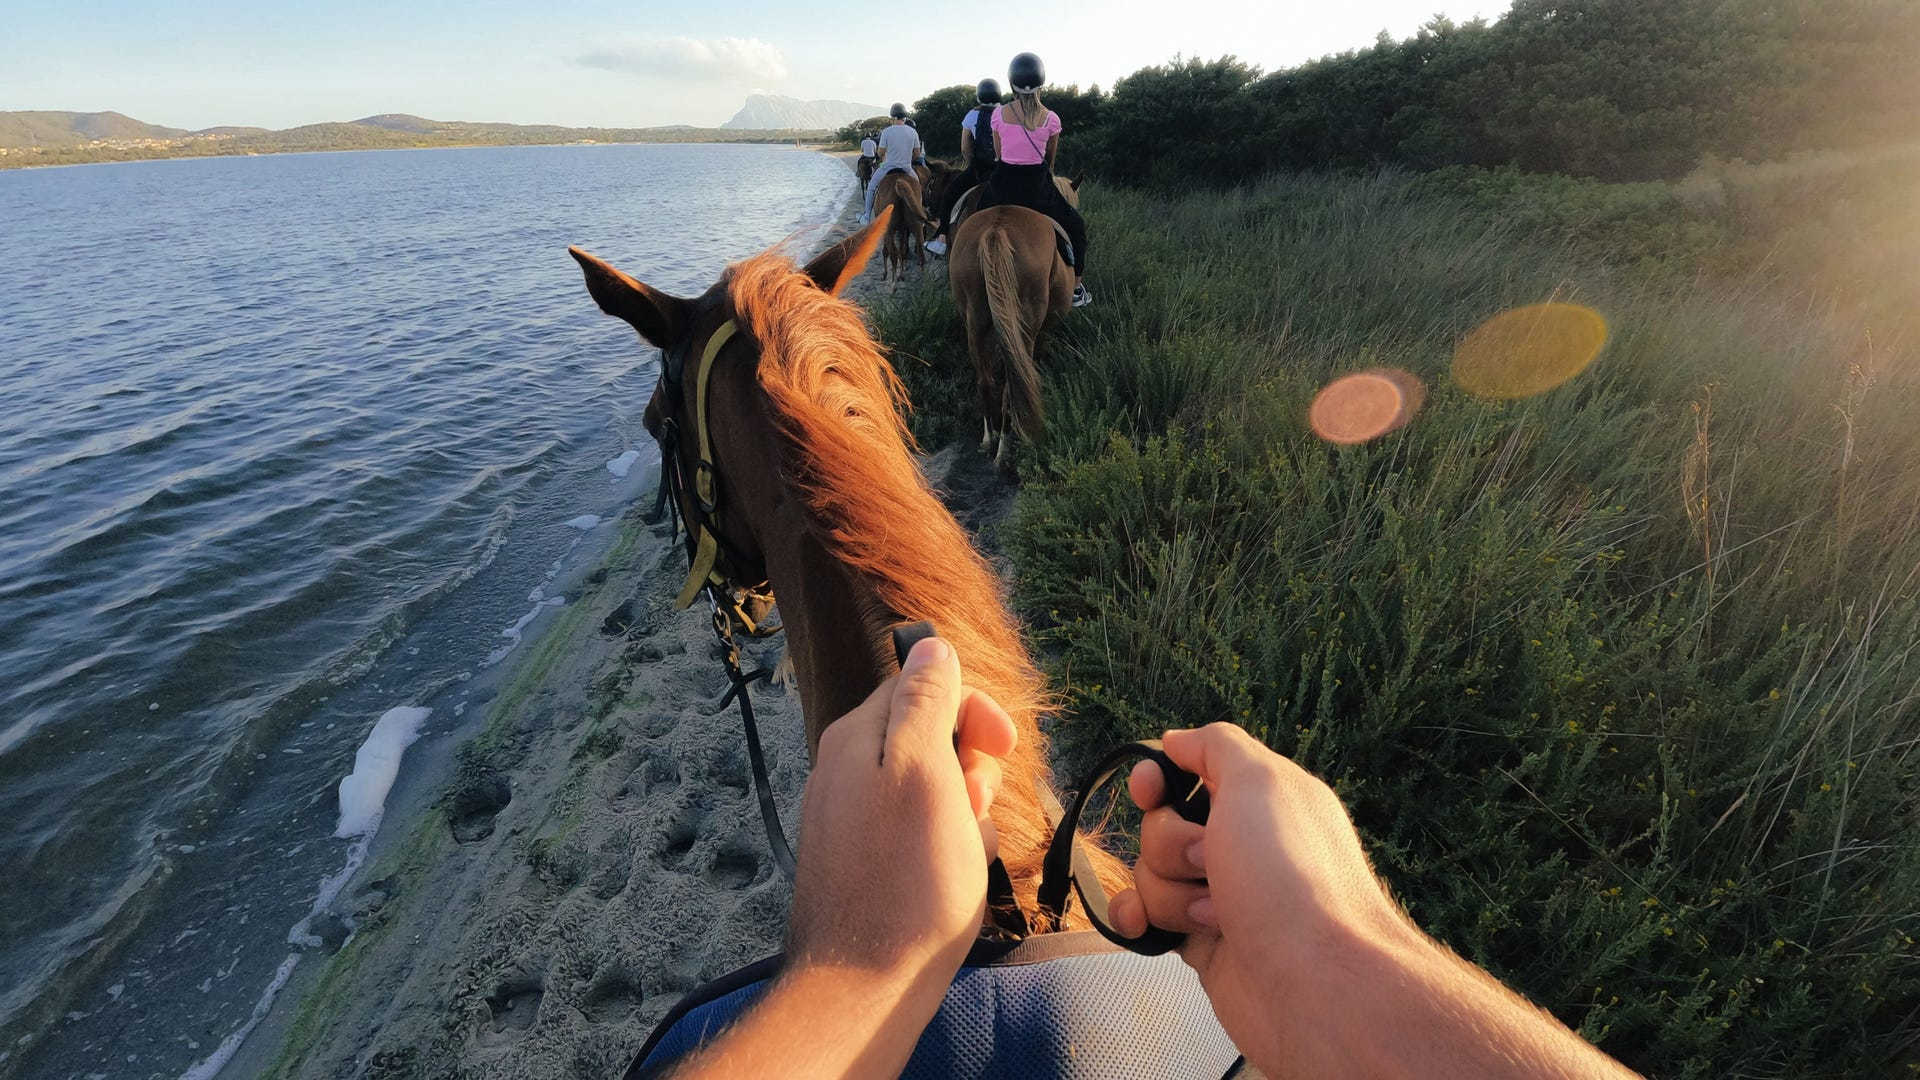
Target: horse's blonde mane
839	406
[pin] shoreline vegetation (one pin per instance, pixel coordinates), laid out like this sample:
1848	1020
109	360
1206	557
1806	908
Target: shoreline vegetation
123	139
1616	680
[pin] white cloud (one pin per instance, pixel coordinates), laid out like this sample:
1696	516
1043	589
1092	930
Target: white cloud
691	58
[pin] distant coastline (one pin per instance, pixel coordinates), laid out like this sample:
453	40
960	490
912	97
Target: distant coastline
124	139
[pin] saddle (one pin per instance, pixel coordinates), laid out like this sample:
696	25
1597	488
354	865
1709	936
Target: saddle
1065	1005
966	204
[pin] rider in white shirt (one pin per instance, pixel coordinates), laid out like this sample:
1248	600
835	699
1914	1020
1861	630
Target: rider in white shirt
900	144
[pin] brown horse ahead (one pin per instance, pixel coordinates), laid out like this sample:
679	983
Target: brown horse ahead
820	493
910	228
1010	283
938	175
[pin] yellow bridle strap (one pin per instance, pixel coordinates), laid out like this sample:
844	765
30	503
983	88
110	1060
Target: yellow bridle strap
707	549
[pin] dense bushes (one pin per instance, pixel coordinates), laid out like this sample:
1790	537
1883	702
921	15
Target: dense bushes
1617	681
1613	89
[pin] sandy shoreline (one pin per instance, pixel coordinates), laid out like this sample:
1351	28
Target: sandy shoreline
597	852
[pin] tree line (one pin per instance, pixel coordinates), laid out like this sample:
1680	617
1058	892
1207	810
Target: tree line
1610	89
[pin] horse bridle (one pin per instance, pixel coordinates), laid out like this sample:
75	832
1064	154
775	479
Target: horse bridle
713	563
707	571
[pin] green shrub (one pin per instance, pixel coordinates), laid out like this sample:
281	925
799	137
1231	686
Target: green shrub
1616	680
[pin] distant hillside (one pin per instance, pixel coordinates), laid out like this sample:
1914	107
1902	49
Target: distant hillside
71	128
398	122
65	138
771	112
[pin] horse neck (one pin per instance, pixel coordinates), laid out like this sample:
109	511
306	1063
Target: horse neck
827	611
831	618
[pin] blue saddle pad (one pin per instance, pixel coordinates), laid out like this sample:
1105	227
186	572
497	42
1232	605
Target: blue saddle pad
1057	1005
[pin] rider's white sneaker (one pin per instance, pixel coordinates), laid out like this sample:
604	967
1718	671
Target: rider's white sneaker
1081	297
937	246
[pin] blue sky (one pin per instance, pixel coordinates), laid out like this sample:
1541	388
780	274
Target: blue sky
590	62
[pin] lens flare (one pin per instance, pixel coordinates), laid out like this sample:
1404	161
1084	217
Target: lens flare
1529	350
1365	405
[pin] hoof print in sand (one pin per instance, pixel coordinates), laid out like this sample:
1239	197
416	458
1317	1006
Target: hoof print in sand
728	768
734	868
511	1009
662	774
622	620
680	834
475	804
614	997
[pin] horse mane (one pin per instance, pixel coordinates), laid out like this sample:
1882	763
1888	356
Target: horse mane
839	408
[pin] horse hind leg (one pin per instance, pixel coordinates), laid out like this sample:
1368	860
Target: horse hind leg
1002	435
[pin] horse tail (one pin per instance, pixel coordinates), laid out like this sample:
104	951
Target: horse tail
912	208
1003	300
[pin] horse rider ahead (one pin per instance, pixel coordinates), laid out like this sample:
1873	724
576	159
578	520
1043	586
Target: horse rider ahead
899	145
976	159
1026	140
919	146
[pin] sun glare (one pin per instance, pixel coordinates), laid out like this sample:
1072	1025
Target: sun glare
1529	350
1365	405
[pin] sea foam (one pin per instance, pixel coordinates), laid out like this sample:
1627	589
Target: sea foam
619	466
363	794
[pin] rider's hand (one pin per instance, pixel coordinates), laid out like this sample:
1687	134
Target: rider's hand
894	833
1311	967
1276	871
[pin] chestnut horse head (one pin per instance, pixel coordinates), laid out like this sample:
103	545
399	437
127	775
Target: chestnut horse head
814	486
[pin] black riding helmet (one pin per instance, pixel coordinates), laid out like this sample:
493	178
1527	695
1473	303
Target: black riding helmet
988	93
898	112
1026	74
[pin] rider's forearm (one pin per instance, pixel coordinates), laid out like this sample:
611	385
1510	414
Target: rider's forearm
1389	1001
821	1021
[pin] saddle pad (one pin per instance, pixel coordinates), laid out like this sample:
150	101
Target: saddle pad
1074	1007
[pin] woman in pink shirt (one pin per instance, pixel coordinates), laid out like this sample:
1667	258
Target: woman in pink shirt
1026	136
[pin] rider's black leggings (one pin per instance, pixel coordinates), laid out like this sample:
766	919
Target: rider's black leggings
1031	186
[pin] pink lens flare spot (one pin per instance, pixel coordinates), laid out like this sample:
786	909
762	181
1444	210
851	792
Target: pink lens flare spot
1529	350
1365	405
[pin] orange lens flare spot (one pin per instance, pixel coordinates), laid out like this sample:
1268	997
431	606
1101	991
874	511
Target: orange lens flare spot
1365	405
1529	350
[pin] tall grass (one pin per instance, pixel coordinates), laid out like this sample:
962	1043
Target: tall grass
1619	681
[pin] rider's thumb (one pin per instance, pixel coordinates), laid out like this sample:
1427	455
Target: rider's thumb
926	701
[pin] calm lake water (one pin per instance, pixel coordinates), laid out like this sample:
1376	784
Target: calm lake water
289	442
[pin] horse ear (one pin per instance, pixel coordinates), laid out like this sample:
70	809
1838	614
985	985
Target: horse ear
1078	178
835	267
659	318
